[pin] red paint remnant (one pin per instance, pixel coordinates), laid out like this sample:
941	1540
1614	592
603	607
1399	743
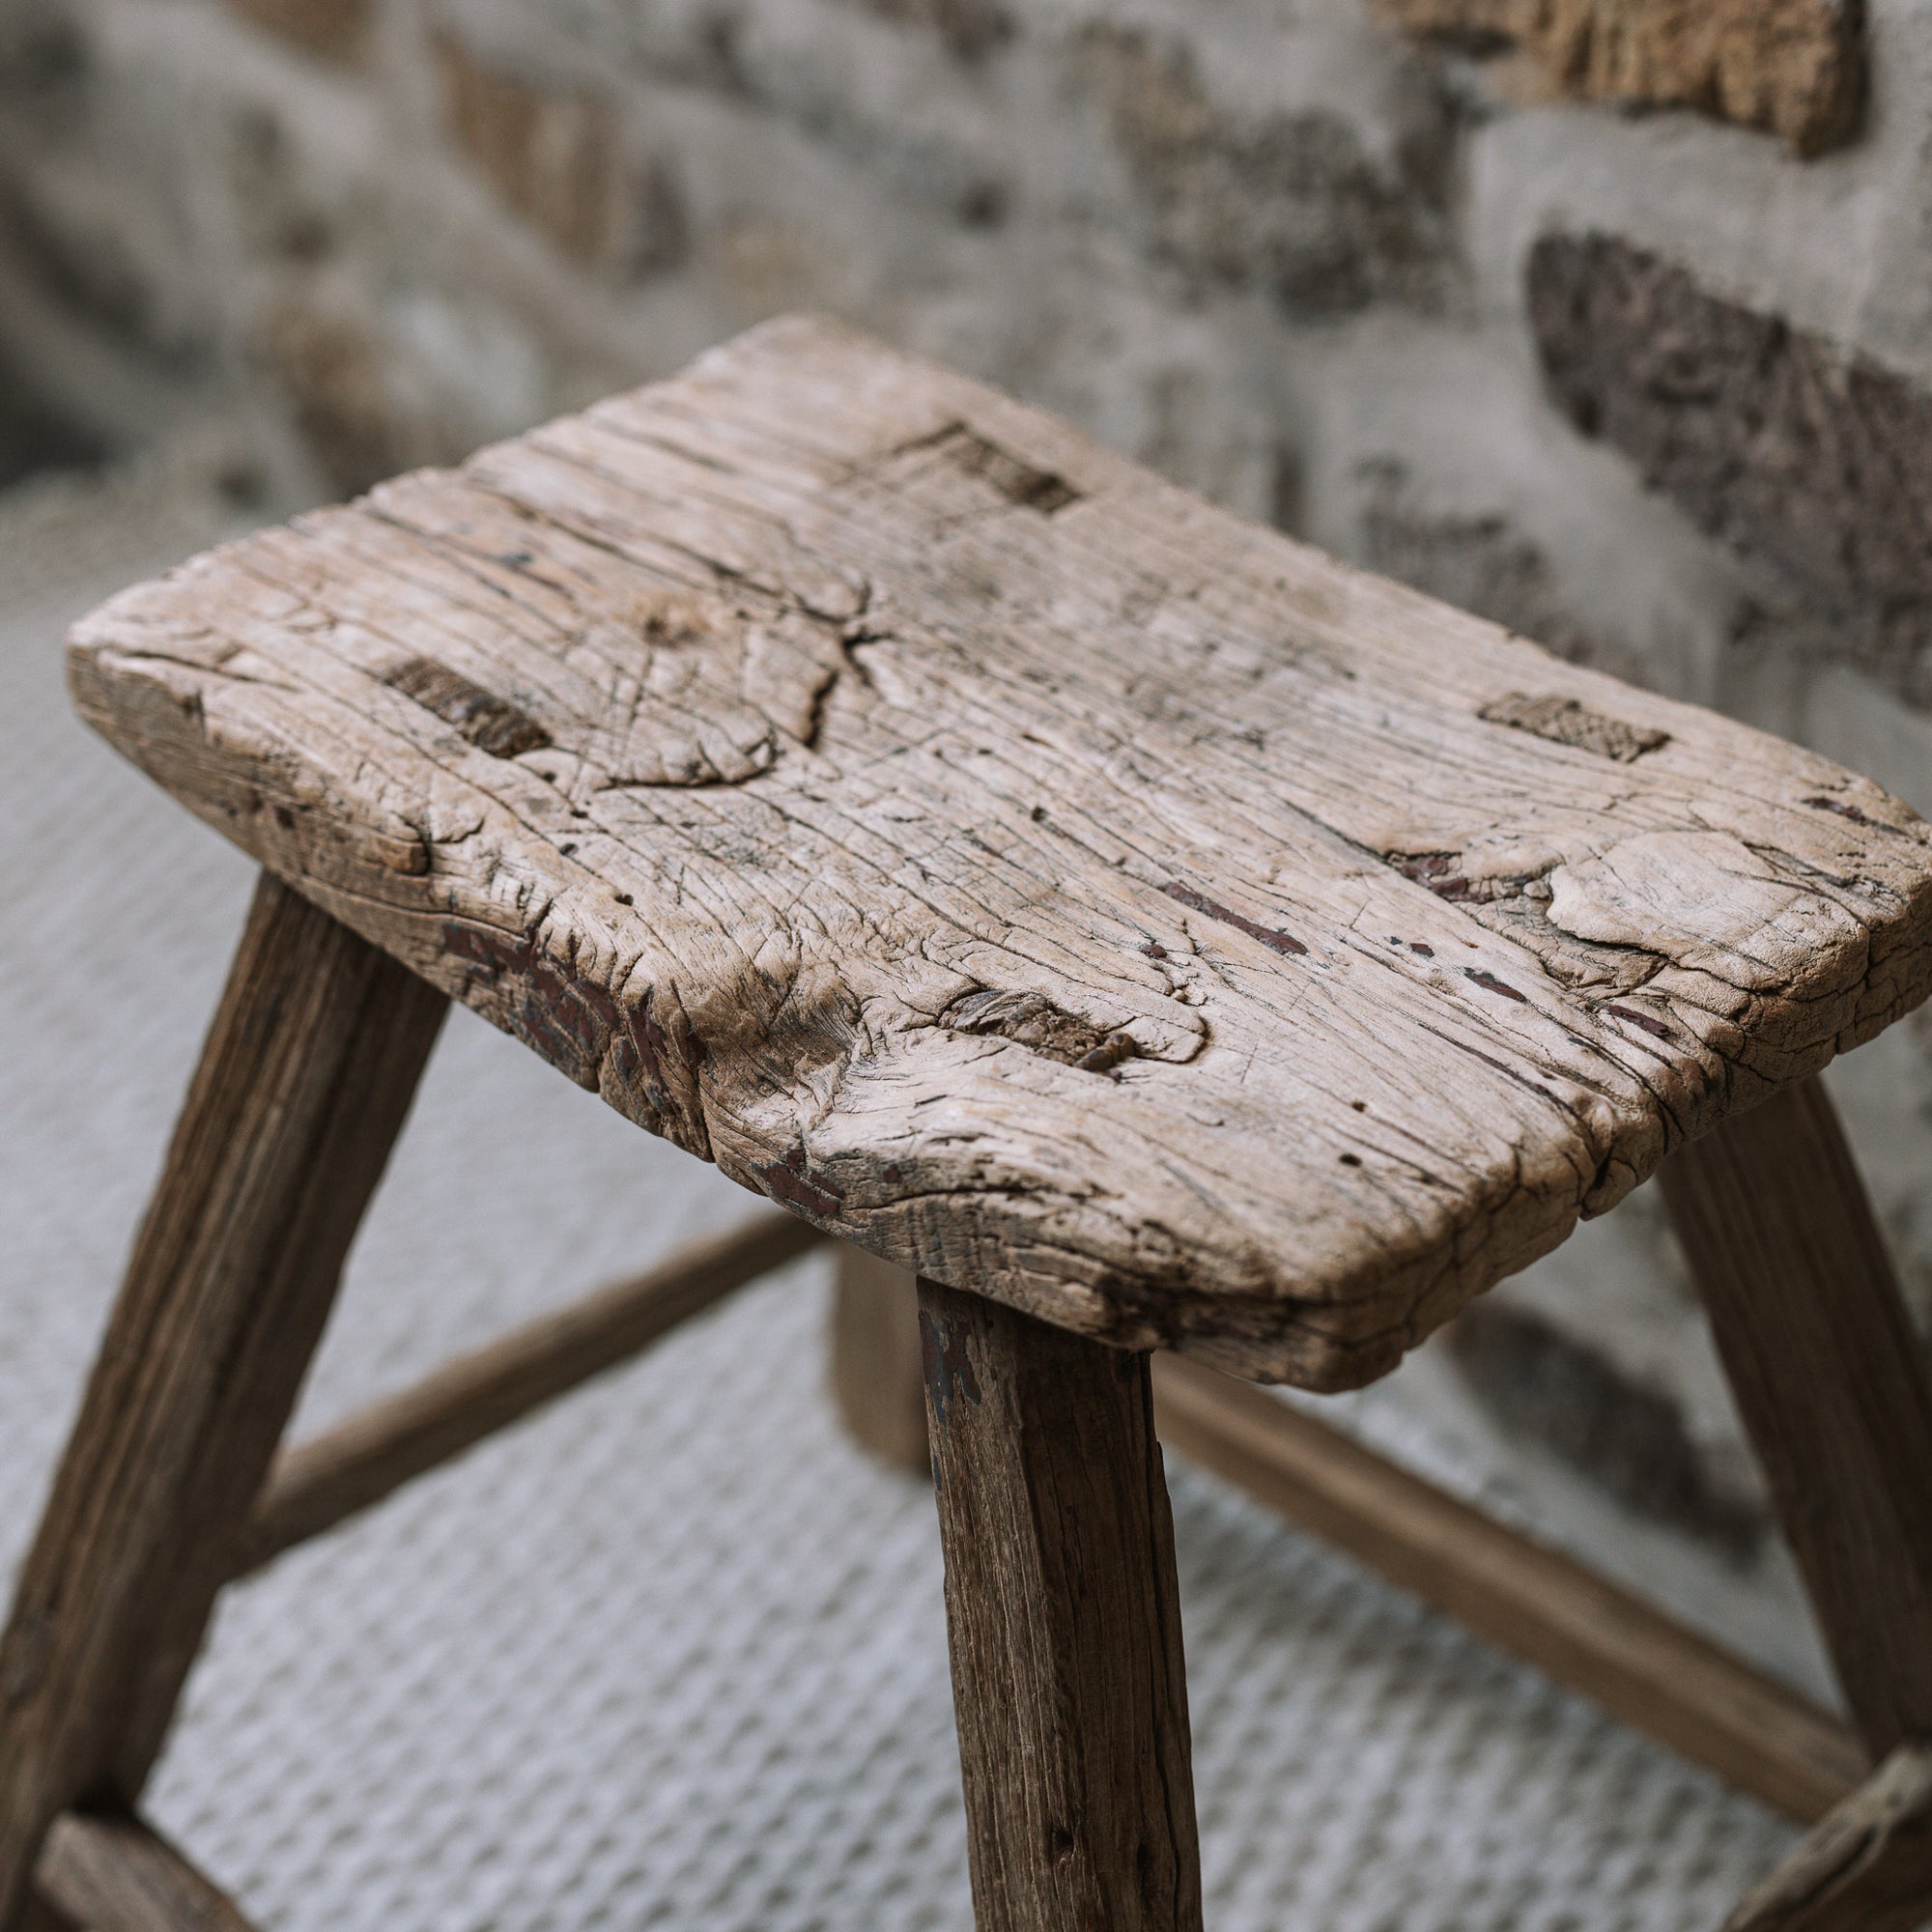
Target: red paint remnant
1442	872
1427	952
946	1365
1502	1066
570	1024
890	1174
1154	950
649	1047
1838	806
1637	1019
790	1181
1492	983
1437	870
1284	942
582	1030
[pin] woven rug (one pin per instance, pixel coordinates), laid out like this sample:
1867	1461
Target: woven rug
670	1653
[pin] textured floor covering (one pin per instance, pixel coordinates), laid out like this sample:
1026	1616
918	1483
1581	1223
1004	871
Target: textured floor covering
670	1655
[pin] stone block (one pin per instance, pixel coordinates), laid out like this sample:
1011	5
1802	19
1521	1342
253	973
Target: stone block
329	369
1290	203
1849	717
335	30
857	82
1813	464
380	379
557	156
1479	561
284	209
79	244
1633	1441
35	437
44	57
1794	67
969	29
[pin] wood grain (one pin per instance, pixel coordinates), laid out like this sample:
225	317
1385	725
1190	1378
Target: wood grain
316	1485
109	1873
875	1376
303	1086
42	1915
1015	865
1867	1869
1065	1621
1625	1655
1831	1383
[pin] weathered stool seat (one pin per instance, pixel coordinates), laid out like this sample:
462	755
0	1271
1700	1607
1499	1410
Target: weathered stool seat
1144	928
1015	865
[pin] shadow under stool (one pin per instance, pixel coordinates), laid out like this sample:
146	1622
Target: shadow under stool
1149	934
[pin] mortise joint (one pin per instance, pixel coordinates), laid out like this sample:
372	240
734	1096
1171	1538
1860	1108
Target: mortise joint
1018	481
1565	722
491	724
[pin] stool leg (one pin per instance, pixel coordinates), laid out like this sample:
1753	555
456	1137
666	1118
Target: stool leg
876	1372
41	1916
1831	1382
1064	1615
304	1083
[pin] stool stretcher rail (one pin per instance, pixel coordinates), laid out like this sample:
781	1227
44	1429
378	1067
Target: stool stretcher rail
118	1875
1625	1655
316	1485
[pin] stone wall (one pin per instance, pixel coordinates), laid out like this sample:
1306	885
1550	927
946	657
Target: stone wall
1609	319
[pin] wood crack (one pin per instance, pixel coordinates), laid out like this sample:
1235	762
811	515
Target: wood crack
764	906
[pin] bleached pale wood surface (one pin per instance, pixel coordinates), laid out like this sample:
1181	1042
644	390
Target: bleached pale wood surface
1015	865
1868	1867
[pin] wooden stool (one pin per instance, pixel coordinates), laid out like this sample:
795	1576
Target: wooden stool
1161	935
